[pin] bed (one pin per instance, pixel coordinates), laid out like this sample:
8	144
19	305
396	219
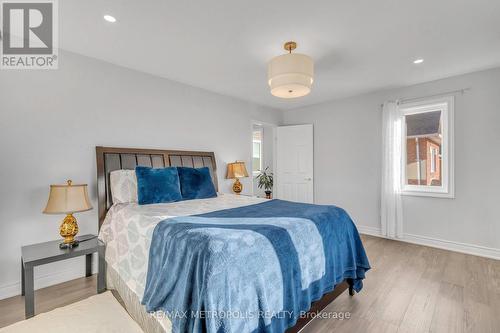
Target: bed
130	229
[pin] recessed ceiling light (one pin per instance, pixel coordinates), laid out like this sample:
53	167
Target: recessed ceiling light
109	18
418	61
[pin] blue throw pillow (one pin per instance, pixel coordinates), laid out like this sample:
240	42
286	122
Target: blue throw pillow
196	183
157	185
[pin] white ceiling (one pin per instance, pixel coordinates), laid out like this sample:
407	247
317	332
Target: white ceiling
224	45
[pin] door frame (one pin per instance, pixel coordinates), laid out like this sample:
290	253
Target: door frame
264	124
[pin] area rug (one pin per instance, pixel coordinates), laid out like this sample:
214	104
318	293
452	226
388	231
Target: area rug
99	313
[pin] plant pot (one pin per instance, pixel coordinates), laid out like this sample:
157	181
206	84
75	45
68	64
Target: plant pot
268	194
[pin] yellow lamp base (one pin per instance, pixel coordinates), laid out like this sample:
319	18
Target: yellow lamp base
237	186
68	231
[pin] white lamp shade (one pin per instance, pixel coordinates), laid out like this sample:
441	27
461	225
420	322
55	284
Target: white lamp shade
291	75
67	199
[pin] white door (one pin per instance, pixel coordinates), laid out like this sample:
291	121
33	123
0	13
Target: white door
294	163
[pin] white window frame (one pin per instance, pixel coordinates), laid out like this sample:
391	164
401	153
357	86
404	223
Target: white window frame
447	188
261	142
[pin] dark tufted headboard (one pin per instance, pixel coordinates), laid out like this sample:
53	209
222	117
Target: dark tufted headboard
111	158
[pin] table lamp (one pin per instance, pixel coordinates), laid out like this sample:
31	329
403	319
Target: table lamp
235	171
68	199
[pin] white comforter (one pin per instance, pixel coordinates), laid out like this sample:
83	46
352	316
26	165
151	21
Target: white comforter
128	229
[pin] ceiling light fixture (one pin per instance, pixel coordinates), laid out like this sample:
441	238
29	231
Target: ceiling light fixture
290	75
109	18
418	61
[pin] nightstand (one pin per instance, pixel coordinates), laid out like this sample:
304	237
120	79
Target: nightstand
44	253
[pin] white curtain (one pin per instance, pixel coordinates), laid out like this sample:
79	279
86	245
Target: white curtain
392	217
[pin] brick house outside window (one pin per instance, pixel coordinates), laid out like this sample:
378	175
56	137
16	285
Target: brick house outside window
423	149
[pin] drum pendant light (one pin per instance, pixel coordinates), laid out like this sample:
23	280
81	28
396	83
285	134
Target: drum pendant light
290	75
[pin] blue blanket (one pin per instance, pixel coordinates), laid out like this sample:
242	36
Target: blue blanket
250	269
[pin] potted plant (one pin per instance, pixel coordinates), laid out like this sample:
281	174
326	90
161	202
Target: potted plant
265	180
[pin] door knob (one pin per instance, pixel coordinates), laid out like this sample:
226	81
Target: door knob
308	179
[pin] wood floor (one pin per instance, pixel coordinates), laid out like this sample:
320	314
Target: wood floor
413	288
46	299
410	288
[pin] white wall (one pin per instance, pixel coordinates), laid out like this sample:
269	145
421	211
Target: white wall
347	160
51	121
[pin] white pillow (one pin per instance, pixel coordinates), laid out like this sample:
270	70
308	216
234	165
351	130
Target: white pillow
123	186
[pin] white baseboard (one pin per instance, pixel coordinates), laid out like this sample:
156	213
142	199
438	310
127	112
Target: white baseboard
369	231
472	249
477	250
42	281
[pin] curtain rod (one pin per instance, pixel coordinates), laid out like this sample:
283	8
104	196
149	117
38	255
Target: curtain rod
409	99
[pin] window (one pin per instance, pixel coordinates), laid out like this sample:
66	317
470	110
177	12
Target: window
427	148
257	150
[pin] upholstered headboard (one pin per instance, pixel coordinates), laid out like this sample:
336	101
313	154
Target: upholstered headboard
110	159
